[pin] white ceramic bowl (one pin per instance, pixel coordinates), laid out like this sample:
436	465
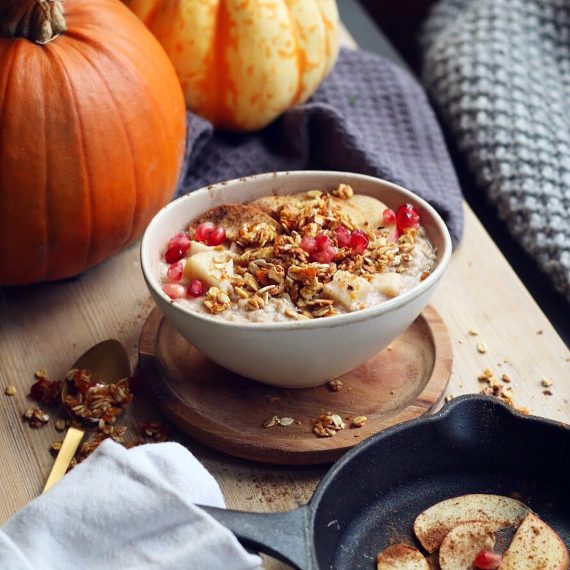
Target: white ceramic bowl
294	354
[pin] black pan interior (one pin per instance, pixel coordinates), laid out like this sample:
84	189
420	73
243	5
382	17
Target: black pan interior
370	499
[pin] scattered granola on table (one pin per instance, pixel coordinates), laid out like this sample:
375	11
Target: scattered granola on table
36	417
499	390
89	403
335	385
326	425
296	257
10	390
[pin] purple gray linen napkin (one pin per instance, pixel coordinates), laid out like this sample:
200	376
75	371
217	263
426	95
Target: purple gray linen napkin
369	116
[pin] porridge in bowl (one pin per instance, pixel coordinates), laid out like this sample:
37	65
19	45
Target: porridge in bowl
294	257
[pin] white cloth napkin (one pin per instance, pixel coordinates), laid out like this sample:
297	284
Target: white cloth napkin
125	509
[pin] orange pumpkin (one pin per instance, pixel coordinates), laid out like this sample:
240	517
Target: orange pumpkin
92	133
242	63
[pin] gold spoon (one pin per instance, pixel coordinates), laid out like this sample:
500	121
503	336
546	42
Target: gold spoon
107	361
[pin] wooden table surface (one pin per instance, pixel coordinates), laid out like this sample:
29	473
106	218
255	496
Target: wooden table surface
50	325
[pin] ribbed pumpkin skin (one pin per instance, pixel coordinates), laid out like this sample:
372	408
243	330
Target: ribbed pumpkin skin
92	134
242	63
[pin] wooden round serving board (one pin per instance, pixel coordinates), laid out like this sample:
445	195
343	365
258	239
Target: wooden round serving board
226	411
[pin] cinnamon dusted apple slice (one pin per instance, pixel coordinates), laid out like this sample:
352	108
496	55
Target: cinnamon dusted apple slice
371	209
271	204
401	557
232	217
462	544
535	546
433	524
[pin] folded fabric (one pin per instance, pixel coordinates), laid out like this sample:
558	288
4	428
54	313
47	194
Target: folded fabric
126	510
369	116
499	72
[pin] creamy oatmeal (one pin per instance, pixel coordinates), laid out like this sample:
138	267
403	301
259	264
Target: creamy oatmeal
296	257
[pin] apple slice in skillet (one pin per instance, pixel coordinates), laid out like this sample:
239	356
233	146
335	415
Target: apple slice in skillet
401	557
535	546
462	544
496	511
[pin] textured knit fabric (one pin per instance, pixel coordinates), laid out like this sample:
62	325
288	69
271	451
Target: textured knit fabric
499	71
369	116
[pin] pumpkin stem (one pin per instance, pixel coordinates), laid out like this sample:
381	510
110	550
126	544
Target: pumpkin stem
39	21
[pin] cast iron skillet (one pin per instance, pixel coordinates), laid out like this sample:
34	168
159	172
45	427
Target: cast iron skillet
370	498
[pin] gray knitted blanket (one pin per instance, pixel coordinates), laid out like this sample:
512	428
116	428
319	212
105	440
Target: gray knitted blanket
499	72
369	116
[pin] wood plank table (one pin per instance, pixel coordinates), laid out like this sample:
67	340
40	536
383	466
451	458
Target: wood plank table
50	325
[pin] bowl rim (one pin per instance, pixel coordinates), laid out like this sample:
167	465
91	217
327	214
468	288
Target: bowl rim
388	306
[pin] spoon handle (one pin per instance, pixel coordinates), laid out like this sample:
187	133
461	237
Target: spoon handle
69	446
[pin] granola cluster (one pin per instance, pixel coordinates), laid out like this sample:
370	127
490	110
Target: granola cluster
268	264
93	402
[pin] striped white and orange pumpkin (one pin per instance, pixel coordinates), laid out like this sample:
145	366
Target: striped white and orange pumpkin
242	63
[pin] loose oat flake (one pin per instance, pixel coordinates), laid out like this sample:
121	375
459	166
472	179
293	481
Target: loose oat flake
482	347
335	385
286	421
271	422
359	421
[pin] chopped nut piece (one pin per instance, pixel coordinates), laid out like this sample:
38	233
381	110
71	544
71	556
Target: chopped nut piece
481	347
217	300
154	430
505	378
60	425
473	332
286	421
448	398
344	192
486	376
546	382
10	390
36	417
335	385
359	421
323	431
271	422
41	374
55	446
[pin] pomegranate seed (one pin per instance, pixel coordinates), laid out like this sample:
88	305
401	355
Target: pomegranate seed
203	231
342	236
389	217
322	241
358	241
324	255
487	560
210	234
174	290
407	217
196	288
179	240
309	244
217	236
173	254
175	271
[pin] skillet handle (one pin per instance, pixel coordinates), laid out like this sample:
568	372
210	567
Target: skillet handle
285	536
